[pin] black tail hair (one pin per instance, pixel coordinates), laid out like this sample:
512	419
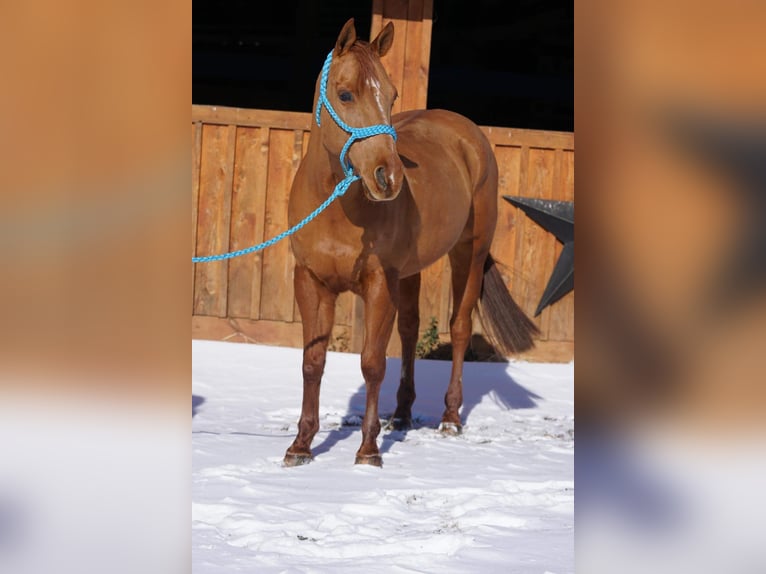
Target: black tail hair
506	324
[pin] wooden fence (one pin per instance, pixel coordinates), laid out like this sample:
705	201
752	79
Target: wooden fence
243	165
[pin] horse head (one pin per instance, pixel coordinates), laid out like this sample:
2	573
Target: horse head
360	95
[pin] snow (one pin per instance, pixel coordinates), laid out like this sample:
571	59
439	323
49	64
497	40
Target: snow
498	498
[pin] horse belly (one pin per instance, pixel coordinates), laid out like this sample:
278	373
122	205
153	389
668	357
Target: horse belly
445	157
443	217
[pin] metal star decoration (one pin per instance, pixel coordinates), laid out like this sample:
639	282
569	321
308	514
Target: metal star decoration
736	147
556	217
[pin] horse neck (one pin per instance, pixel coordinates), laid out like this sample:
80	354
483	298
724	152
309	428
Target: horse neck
324	163
324	171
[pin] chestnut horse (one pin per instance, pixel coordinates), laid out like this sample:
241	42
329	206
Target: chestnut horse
427	189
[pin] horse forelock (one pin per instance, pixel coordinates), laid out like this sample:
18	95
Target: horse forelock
368	70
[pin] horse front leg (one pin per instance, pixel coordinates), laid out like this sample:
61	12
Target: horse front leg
408	323
317	306
380	290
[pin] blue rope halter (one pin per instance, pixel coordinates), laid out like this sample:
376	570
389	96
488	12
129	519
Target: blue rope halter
342	186
355	133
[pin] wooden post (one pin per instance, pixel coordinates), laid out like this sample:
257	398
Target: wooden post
407	62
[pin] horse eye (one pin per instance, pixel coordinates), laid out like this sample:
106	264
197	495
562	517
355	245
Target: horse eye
345	96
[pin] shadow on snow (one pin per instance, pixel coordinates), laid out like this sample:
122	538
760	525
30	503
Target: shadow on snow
196	402
480	380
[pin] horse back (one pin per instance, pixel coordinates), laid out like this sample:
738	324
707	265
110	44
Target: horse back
447	140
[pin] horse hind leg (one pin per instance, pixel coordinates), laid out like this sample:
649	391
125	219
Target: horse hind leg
467	262
408	324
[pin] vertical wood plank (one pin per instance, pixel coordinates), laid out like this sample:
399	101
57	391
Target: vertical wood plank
277	284
445	307
411	77
506	232
248	197
562	320
420	101
569	177
344	309
565	325
508	216
555	194
394	347
396	11
306	138
196	153
214	217
261	169
537	244
431	295
357	326
376	24
554	249
519	280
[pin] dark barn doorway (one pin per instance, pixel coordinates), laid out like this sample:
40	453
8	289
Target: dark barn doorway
515	71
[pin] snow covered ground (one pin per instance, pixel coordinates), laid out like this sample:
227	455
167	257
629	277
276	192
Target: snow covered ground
498	498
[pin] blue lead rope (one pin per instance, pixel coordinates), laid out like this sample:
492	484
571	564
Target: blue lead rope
342	186
340	189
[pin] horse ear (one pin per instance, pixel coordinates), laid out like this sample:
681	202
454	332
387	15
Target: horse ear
346	38
383	41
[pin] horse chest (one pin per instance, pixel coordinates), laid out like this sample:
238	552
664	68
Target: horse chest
343	252
333	256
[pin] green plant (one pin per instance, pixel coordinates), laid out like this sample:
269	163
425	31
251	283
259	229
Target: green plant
430	339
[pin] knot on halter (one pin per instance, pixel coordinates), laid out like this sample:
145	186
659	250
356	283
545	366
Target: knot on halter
354	133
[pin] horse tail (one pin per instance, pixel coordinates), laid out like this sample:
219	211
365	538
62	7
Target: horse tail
508	327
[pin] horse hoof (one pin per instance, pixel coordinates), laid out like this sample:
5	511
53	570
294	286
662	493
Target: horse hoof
450	429
371	459
292	459
399	424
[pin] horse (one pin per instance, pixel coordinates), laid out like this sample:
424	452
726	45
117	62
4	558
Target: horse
419	185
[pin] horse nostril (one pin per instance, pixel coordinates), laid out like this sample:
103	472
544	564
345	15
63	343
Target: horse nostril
380	177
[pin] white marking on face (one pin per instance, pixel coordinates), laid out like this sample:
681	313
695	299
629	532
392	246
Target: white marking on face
374	84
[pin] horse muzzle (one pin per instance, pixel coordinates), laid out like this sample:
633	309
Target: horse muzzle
386	182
